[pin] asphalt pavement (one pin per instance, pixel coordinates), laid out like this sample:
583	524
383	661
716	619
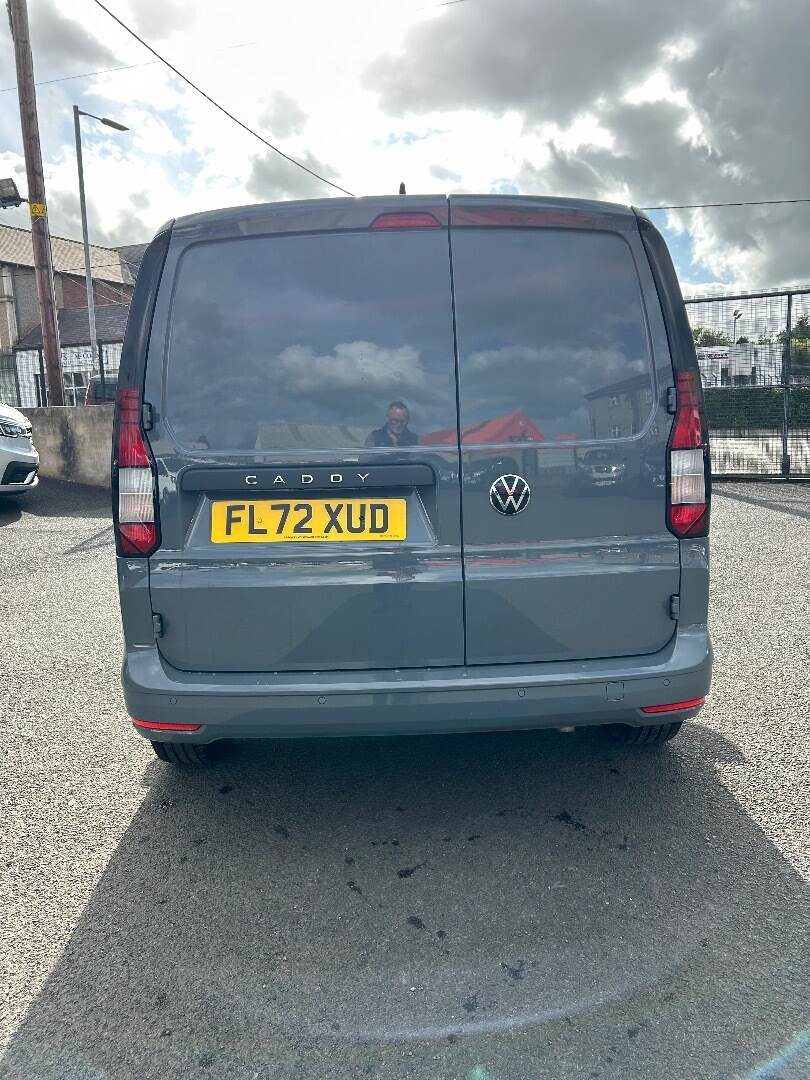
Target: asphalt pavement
491	907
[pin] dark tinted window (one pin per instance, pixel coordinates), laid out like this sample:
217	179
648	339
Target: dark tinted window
552	338
97	391
304	341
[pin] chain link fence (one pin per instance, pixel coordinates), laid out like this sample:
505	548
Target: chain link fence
9	389
88	379
753	351
754	355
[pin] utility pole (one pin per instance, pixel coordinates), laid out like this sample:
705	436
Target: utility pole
40	236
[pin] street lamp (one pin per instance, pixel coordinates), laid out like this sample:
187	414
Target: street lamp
9	195
88	274
736	314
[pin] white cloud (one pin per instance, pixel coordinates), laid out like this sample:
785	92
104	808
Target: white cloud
656	87
283	116
273	179
645	103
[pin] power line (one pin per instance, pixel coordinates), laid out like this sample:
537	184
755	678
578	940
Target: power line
107	300
710	205
152	63
222	109
122	67
94	266
84	75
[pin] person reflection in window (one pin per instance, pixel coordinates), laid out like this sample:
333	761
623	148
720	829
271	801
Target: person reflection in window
395	430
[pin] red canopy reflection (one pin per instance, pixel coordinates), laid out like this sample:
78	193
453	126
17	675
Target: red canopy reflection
514	427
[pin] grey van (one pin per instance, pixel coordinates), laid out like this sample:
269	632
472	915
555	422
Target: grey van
393	465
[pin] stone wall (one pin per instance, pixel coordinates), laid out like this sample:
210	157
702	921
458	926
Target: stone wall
74	443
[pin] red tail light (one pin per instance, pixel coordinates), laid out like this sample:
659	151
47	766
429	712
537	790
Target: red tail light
676	706
685	517
152	725
688	503
134	476
412	220
687	434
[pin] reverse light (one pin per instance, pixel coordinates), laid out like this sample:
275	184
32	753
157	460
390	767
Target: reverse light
676	706
135	479
687	480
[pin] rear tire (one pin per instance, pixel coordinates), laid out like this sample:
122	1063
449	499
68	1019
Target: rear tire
647	735
188	755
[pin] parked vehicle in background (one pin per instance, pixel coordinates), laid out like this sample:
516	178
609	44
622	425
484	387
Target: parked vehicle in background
653	474
291	562
101	391
602	469
19	460
487	470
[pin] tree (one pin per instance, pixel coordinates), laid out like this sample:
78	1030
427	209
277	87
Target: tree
799	349
743	340
709	335
800	331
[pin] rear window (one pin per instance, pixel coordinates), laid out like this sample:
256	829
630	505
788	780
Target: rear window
106	391
552	336
306	341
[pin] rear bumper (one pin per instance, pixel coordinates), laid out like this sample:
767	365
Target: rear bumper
293	705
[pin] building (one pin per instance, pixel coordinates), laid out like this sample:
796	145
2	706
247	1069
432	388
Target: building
746	364
78	363
619	410
131	256
19	305
114	272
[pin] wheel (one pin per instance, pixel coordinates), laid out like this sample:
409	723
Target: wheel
197	755
648	735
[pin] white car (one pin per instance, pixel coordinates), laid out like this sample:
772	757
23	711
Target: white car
19	461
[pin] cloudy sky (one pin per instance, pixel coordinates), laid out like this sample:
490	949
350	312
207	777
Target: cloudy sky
640	101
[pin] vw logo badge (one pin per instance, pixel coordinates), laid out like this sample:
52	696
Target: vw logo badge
510	494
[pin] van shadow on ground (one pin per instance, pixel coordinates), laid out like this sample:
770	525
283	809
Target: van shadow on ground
407	907
788	497
60	499
10	509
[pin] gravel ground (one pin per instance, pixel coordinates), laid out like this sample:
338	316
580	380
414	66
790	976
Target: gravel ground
481	908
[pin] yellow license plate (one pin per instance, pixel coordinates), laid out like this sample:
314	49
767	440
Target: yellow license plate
305	520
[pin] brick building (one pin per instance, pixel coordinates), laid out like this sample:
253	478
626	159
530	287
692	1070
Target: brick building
114	272
78	363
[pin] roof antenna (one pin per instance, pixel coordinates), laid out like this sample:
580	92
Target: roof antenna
402	187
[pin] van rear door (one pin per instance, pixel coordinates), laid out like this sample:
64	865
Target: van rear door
563	375
298	355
